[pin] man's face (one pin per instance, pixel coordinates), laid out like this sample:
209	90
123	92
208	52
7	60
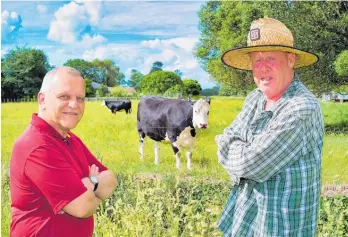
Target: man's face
64	103
273	72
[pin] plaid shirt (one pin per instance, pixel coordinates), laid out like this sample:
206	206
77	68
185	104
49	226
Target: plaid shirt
274	161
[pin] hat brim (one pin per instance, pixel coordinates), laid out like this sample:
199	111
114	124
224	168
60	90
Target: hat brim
239	58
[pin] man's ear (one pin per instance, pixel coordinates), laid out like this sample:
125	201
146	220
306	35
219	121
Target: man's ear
41	99
291	60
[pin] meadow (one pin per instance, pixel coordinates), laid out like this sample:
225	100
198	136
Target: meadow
161	200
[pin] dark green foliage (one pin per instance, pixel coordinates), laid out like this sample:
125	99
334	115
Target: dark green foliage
87	69
102	91
108	72
159	82
318	27
211	91
192	87
90	91
156	66
175	91
22	72
135	79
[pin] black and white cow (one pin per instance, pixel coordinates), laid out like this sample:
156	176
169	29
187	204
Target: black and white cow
172	120
118	105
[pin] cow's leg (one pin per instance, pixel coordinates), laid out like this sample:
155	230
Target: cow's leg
141	145
188	156
156	153
176	150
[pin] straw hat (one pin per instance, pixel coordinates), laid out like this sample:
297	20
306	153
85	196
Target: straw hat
267	34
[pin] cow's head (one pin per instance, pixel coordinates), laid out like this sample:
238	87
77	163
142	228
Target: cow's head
200	114
103	103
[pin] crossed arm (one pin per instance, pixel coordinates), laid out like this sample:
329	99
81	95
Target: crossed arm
86	204
265	154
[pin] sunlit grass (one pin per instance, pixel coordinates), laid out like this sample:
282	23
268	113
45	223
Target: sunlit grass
138	207
114	139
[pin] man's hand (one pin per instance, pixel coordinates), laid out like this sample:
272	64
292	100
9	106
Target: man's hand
93	170
107	184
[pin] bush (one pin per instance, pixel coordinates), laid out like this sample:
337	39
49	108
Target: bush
118	92
102	91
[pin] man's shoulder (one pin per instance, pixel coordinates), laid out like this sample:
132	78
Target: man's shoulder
302	103
253	95
304	99
31	137
29	141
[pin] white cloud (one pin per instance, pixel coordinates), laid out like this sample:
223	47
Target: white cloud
10	24
74	20
90	41
41	8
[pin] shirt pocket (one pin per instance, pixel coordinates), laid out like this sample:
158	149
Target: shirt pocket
260	123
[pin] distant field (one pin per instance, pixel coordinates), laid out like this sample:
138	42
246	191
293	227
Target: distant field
114	139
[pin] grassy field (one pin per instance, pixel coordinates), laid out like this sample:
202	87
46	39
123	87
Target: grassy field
114	140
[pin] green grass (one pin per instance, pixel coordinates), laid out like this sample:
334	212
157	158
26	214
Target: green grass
114	139
160	200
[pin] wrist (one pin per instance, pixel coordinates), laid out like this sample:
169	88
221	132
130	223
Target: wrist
95	182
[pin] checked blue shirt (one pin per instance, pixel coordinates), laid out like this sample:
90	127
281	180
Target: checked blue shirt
274	161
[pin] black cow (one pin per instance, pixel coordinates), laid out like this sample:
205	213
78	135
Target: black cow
173	120
118	105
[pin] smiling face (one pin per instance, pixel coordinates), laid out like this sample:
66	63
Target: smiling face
62	104
273	72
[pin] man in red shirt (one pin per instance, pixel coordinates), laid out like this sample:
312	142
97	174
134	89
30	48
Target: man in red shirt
56	183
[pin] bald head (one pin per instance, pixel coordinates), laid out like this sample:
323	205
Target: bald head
62	99
53	76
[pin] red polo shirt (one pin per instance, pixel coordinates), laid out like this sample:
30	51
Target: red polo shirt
45	175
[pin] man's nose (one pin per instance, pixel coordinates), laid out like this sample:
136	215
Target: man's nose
264	66
73	103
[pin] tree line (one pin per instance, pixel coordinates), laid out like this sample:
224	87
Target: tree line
23	69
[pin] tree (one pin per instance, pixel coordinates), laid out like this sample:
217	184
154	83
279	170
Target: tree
175	91
318	27
90	91
191	87
102	91
156	66
108	73
341	64
211	91
178	72
22	72
159	81
87	69
135	79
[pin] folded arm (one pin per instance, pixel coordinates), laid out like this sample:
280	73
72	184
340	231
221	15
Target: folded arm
267	153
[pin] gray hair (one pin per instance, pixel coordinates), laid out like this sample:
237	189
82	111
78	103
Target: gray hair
52	76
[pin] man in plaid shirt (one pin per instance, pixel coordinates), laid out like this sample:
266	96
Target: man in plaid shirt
272	150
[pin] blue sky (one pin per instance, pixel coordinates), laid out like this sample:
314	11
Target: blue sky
133	34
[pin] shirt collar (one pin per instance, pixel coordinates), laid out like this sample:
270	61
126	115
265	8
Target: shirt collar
43	126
